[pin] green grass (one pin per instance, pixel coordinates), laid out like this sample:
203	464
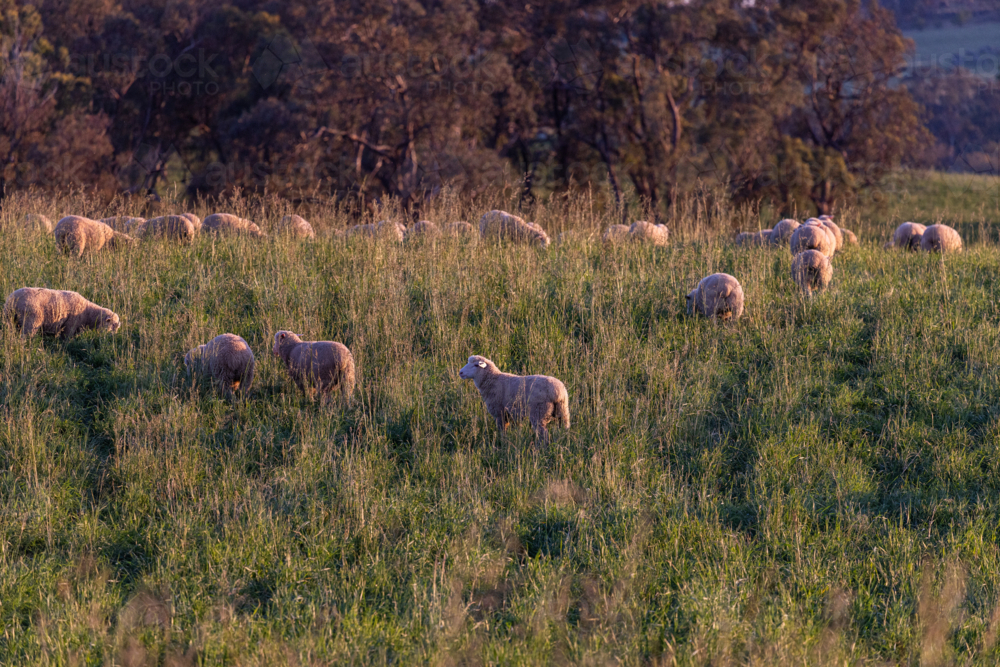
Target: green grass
815	484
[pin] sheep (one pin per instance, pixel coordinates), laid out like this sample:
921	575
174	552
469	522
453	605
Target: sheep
319	365
56	312
35	222
832	227
753	239
813	237
424	229
812	271
940	238
502	225
227	224
296	226
227	359
508	398
195	220
460	228
782	232
717	296
641	230
383	229
175	227
850	238
907	236
123	223
615	234
76	235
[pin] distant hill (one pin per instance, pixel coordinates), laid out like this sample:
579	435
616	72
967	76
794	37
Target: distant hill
917	14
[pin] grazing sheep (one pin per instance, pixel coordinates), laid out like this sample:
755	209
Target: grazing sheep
647	232
813	237
834	230
56	312
717	296
297	226
77	235
383	229
424	229
123	223
615	234
319	365
230	225
753	239
195	220
460	228
227	359
812	271
501	225
35	222
781	233
940	238
510	398
907	236
174	227
850	238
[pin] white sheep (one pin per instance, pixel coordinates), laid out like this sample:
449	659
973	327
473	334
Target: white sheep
615	234
424	229
813	236
753	239
195	220
228	224
76	235
850	238
834	229
717	296
297	226
782	232
812	271
123	223
460	228
647	232
227	359
57	312
940	238
174	227
316	365
907	236
509	398
35	222
383	229
497	225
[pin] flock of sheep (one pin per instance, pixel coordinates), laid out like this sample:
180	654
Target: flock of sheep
325	366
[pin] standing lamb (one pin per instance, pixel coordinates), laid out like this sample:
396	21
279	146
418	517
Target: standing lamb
319	365
77	235
940	238
511	398
35	222
907	236
782	232
717	296
227	359
502	225
813	237
647	232
297	226
174	227
228	224
56	312
615	234
812	271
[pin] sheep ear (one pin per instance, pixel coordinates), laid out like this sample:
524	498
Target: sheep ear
482	364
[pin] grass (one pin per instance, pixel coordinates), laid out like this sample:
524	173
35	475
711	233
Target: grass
815	484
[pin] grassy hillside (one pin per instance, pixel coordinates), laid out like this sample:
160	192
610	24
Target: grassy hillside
816	483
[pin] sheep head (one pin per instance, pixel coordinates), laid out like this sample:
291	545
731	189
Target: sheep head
474	369
283	339
691	297
111	321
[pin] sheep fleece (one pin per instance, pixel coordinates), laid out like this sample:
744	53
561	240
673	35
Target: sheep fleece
509	398
228	359
812	271
502	225
940	238
56	312
77	235
718	295
323	365
226	223
175	227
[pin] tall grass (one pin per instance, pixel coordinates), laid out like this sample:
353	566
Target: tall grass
815	484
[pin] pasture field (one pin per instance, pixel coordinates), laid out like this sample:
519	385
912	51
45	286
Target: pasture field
818	483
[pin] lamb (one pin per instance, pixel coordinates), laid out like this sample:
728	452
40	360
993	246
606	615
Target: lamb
510	398
813	237
175	227
227	224
56	312
940	238
227	359
34	222
812	271
502	225
657	235
907	236
383	229
296	226
717	296
782	232
123	223
615	234
76	235
319	365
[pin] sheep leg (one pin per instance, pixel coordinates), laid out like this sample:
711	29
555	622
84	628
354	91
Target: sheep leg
30	326
539	418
